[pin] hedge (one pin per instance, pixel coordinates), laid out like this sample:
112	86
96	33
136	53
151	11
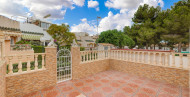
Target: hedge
38	49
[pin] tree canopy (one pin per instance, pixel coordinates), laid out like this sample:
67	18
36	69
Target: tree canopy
152	26
61	34
116	38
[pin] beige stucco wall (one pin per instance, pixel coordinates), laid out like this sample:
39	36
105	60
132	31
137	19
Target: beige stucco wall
8	52
9	23
24	83
165	74
2	79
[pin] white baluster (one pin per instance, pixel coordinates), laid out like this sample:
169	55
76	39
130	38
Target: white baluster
43	61
131	56
173	59
90	55
143	57
181	60
28	62
20	64
189	61
134	57
167	58
154	61
10	65
127	57
160	58
36	62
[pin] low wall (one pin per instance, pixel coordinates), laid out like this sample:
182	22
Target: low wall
82	70
19	84
165	74
90	68
2	79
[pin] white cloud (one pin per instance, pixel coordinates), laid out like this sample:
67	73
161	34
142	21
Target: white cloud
84	26
39	8
131	4
10	8
93	4
79	2
118	21
84	20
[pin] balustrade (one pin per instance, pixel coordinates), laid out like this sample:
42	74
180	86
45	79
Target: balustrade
38	63
145	57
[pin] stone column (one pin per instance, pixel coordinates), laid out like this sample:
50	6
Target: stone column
51	63
75	53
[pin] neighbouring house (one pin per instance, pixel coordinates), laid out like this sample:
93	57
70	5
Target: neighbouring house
33	32
84	40
10	34
41	23
105	46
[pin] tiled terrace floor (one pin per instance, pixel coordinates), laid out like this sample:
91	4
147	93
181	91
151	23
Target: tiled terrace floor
113	84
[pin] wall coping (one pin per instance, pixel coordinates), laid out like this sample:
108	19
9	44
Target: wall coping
92	61
25	72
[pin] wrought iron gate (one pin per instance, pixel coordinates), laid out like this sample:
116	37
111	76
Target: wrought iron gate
64	65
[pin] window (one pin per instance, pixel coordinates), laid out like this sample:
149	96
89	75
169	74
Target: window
12	40
106	48
184	49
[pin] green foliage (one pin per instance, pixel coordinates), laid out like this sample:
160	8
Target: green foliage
177	24
153	25
82	48
61	34
38	49
23	42
116	38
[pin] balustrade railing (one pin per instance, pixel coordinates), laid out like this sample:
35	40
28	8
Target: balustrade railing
168	59
21	47
29	65
87	56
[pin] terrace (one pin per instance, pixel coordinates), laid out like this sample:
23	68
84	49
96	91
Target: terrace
106	73
112	84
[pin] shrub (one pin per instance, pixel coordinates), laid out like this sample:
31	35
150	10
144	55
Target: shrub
38	49
82	48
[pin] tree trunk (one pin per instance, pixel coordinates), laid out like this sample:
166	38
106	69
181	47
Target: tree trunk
154	46
179	47
146	46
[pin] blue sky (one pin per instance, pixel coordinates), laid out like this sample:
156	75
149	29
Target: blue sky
73	16
81	14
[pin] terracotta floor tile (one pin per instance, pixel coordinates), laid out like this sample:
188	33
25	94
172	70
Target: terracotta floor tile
171	91
165	95
79	84
132	85
48	89
120	94
107	89
54	93
148	91
142	95
74	94
97	84
128	90
96	94
113	84
86	89
104	81
89	80
67	88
